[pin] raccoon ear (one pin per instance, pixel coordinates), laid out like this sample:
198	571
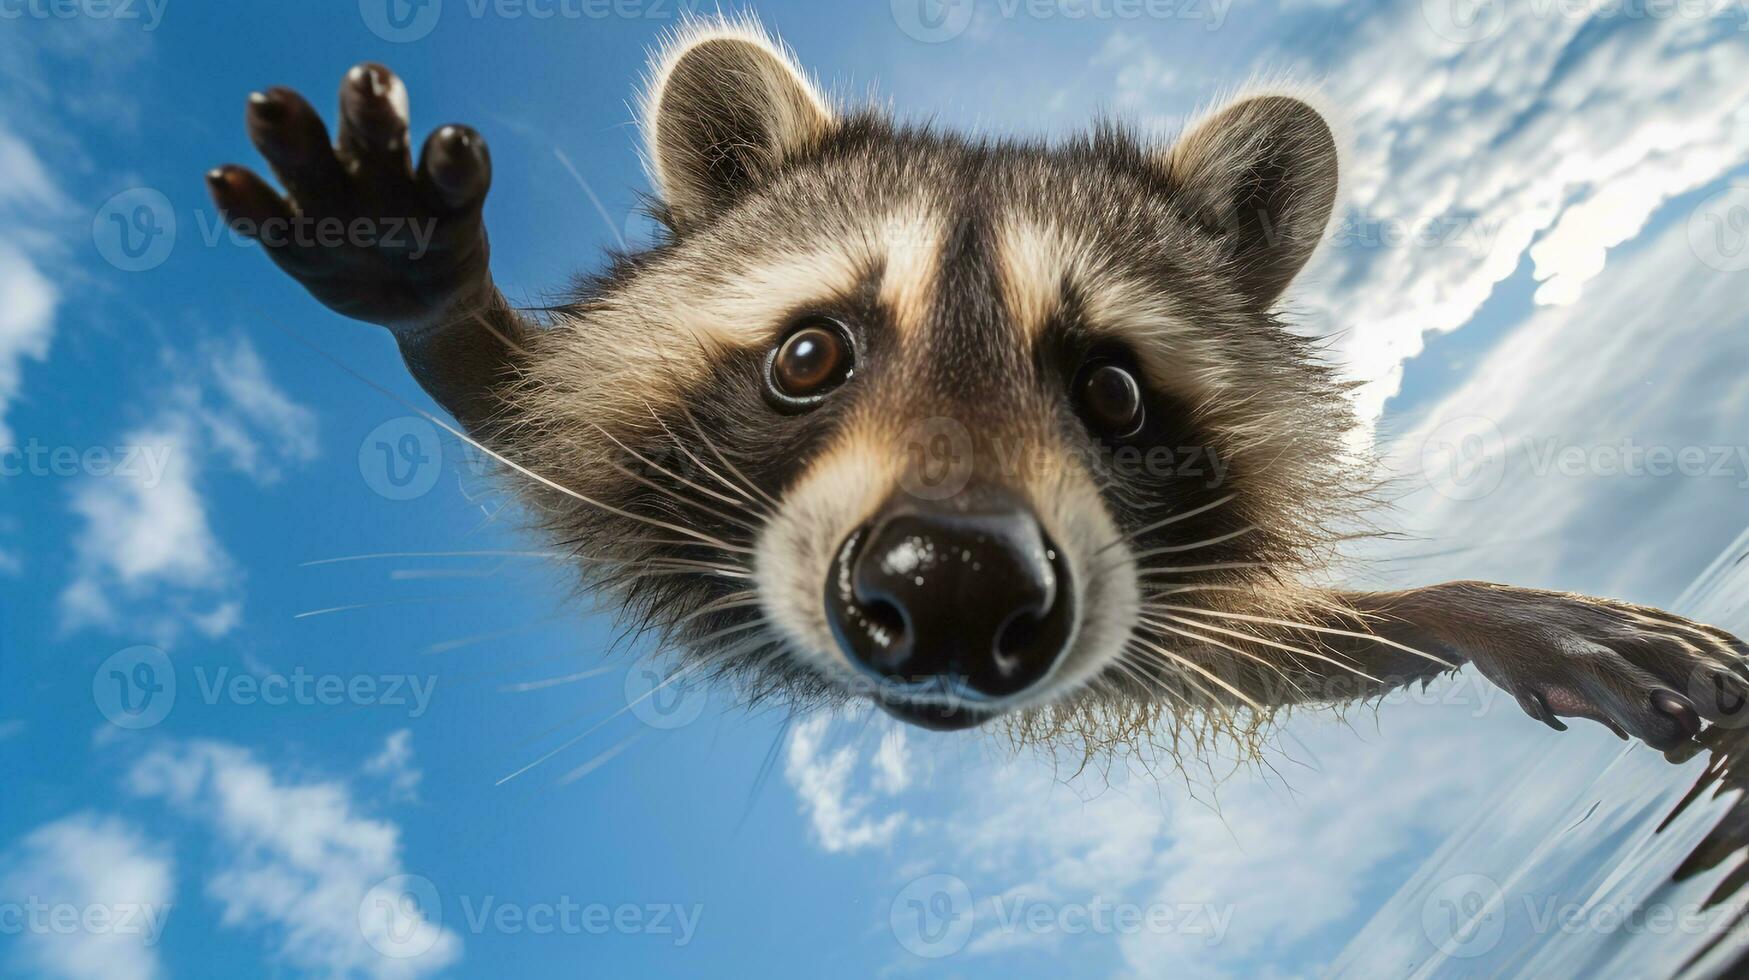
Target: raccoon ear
1262	174
724	109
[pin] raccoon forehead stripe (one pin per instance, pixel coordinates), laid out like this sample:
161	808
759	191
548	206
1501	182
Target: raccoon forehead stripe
1040	260
911	260
754	300
1035	259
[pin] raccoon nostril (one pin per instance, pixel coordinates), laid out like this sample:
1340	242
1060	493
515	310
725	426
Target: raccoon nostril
885	614
1019	635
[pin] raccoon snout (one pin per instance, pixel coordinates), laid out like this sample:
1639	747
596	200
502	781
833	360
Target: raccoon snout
951	608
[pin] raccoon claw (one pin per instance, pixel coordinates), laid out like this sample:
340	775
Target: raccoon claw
1639	672
365	232
1536	706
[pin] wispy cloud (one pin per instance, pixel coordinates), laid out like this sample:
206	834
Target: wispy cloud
1453	180
826	777
27	316
1599	447
146	558
91	896
295	862
394	765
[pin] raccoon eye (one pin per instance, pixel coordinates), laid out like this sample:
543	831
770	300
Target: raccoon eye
812	360
1110	399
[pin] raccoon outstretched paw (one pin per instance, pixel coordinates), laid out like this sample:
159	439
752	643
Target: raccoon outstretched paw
1640	671
365	231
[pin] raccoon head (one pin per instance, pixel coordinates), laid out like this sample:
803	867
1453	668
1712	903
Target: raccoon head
932	420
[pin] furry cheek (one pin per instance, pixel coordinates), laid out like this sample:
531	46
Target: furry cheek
794	552
1070	507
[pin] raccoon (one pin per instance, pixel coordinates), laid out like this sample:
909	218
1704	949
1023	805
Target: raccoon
972	428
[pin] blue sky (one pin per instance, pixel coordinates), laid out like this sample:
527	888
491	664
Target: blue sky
1541	247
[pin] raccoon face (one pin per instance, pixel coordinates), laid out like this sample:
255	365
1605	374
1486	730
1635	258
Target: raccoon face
899	415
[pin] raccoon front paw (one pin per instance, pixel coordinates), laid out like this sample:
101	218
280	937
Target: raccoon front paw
1638	670
366	233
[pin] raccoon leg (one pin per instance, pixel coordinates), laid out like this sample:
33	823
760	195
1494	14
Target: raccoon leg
375	238
1638	670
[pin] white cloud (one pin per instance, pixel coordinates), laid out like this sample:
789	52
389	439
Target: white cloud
30	200
1553	139
146	558
394	764
893	762
90	897
1259	871
1602	384
1601	123
27	324
141	540
257	424
822	775
296	861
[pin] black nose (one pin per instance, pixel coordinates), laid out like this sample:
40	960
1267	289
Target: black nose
962	603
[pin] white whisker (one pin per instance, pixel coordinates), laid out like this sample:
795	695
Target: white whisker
1309	627
1269	643
1168	522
